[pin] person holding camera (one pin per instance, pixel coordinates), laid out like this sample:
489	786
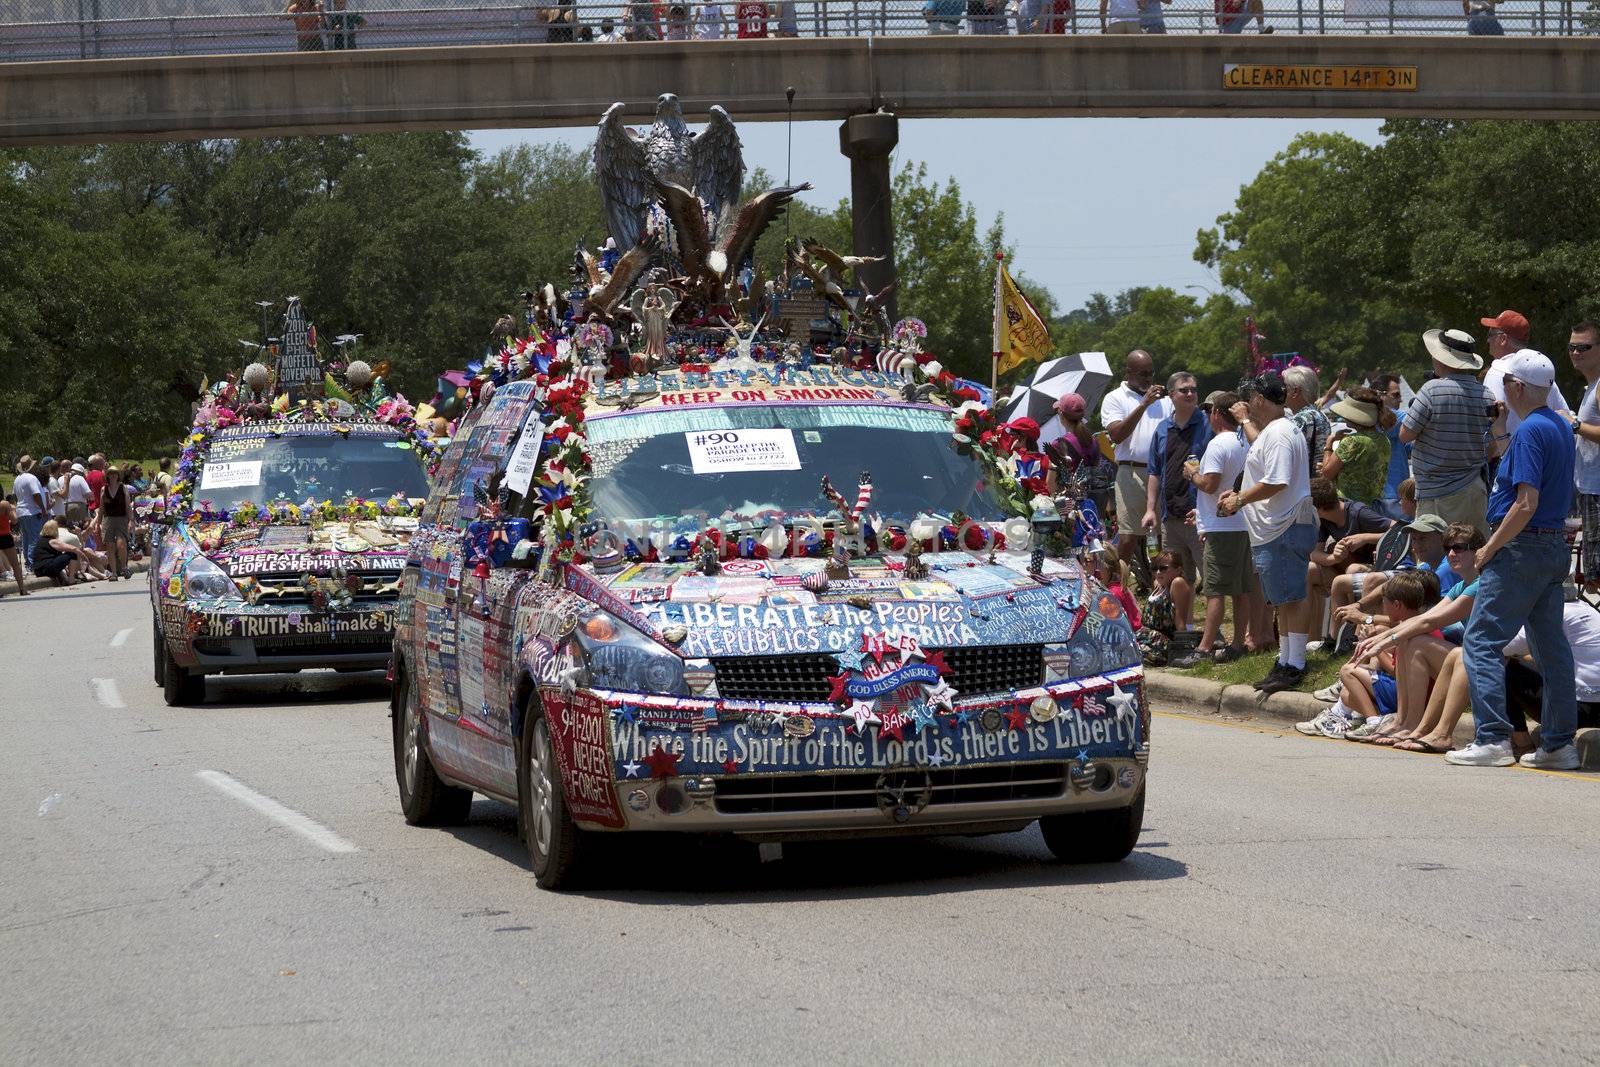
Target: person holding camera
1448	427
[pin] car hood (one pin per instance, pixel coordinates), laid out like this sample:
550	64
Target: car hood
781	607
377	547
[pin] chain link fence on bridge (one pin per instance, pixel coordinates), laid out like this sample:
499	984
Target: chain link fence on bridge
96	29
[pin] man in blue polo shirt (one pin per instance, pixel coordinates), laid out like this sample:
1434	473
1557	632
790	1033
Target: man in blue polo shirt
1175	450
1522	570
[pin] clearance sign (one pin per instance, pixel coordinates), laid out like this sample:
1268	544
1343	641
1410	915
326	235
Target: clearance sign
1269	76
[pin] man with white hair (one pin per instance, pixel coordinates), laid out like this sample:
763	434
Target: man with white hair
1522	570
1301	381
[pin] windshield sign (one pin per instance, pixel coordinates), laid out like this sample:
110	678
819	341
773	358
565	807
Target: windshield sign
297	467
765	462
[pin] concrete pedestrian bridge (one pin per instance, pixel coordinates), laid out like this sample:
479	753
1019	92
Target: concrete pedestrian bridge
508	86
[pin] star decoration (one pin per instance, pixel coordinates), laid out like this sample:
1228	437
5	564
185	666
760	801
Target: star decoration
892	725
861	712
963	716
836	693
941	695
1083	755
1016	719
662	764
936	759
850	661
730	766
623	714
631	769
936	660
922	716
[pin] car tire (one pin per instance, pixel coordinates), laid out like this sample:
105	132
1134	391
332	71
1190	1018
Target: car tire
555	844
158	641
1095	836
181	686
425	798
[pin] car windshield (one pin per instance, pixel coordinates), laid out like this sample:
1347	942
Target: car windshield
766	462
297	467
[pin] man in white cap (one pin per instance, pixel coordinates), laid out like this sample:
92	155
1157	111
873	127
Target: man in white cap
1447	427
1521	573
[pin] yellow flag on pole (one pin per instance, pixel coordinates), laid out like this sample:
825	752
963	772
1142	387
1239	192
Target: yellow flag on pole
1020	335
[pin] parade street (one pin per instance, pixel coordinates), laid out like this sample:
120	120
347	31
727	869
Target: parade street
234	882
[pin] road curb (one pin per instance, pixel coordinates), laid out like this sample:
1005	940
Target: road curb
9	587
1203	696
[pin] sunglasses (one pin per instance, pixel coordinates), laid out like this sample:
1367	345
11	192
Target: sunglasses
1575	348
1459	546
1190	389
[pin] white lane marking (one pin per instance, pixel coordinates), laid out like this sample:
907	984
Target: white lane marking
121	637
303	825
105	691
48	804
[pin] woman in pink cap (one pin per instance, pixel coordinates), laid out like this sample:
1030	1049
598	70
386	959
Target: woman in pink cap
1076	452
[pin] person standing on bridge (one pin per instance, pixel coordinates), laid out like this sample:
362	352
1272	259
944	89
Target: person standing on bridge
342	26
752	20
710	23
1119	16
307	17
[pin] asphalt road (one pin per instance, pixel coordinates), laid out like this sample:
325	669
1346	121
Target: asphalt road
1292	900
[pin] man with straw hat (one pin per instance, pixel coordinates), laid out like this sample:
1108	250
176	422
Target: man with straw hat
1448	427
1357	460
33	505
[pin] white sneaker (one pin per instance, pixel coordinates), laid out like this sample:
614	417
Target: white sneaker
1340	721
1564	758
1476	755
1313	727
1318	646
1330	692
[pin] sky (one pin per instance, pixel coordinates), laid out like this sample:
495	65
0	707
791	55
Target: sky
1092	205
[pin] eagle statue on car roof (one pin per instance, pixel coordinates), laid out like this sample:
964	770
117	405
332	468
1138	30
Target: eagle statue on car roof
632	166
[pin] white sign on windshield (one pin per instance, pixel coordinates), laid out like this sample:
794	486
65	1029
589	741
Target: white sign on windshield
727	451
525	457
232	475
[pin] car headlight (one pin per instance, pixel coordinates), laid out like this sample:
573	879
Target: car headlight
620	657
207	581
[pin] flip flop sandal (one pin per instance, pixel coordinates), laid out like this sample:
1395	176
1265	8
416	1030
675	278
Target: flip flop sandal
1417	744
1389	740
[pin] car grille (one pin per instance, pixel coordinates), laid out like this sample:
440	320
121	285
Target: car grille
857	790
973	672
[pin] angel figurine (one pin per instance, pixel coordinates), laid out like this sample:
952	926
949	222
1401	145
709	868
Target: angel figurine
653	306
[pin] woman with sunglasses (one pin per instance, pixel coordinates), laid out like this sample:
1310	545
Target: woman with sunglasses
1420	658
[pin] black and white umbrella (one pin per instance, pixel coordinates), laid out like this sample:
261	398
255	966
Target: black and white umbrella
1086	374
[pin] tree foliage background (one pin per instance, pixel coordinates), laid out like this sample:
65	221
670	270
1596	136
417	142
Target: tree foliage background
131	271
1345	252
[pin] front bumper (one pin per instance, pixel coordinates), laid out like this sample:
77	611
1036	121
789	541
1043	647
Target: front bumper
251	639
905	800
784	771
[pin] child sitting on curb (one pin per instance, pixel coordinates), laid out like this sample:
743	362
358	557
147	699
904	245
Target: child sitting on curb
1371	692
1166	614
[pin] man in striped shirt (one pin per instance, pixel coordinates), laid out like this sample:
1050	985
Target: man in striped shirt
1447	426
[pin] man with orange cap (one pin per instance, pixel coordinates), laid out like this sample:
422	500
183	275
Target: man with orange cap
1509	332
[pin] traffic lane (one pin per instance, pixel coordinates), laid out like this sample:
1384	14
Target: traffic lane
1220	928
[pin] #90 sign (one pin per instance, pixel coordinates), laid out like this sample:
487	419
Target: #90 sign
729	451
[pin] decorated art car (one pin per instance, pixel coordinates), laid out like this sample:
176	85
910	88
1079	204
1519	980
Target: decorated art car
641	605
282	545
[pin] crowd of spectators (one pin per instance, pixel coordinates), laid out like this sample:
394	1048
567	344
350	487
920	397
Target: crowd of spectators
1429	539
74	520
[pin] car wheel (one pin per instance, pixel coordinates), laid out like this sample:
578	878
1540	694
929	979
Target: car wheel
181	686
1095	836
425	798
554	841
158	641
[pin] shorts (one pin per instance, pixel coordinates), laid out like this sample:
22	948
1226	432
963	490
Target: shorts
1235	23
1384	692
1227	563
1132	497
1125	26
1182	539
1469	505
1359	580
7	542
113	528
1281	563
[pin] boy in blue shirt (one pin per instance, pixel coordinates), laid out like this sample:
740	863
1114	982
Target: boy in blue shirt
1523	567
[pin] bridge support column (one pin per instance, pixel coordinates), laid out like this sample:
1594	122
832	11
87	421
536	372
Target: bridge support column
868	140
